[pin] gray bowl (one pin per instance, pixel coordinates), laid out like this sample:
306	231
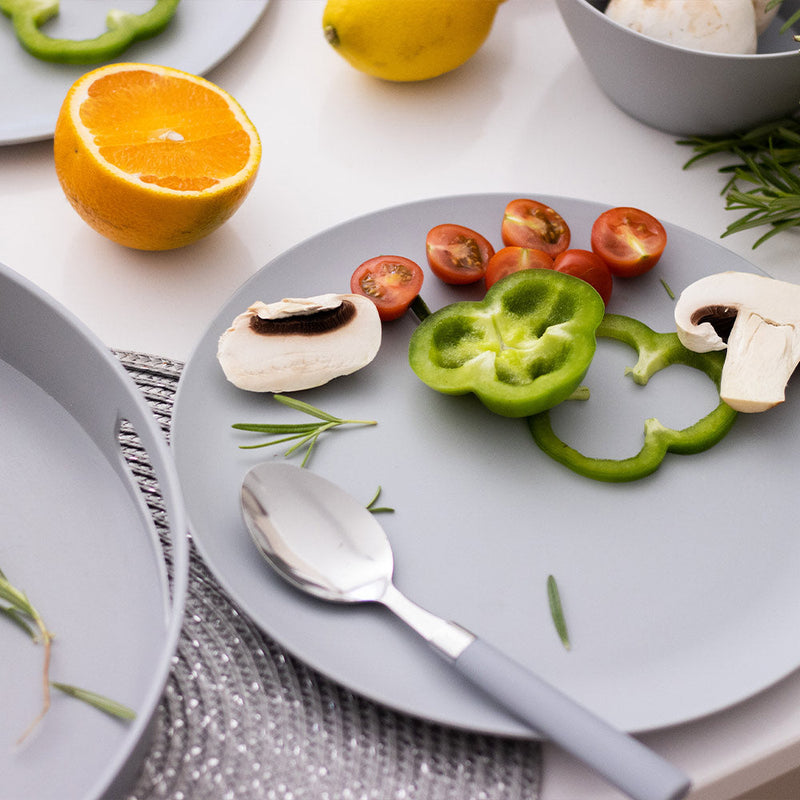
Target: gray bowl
685	91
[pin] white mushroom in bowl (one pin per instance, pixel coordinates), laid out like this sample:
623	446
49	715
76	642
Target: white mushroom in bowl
299	343
757	319
717	26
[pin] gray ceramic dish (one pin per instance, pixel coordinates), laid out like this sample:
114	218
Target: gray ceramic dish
76	535
686	91
666	582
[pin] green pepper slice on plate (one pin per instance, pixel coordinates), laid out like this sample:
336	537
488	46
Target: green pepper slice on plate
522	349
123	29
656	351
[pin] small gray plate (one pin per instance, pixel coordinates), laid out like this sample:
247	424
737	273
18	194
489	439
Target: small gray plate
200	36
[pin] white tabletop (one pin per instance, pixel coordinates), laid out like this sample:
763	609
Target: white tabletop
523	116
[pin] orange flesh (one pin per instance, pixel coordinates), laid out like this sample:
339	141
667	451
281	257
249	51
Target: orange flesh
190	151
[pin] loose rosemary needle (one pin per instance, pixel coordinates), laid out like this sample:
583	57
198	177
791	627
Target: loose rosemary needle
764	180
557	611
375	508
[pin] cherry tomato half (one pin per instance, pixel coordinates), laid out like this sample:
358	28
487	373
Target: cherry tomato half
513	259
629	240
529	223
457	254
589	267
391	282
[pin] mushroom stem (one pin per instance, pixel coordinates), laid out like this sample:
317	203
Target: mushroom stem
760	354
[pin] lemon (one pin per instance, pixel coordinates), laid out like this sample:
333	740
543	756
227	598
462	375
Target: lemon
407	40
152	157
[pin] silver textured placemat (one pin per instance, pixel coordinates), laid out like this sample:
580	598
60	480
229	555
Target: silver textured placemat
241	719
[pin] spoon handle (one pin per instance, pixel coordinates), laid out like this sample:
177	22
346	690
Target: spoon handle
621	759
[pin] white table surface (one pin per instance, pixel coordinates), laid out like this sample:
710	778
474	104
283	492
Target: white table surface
523	116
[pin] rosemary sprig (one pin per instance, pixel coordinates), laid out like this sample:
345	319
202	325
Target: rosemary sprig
303	433
557	612
764	181
18	608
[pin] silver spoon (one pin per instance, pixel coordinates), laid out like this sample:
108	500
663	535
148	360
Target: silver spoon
326	543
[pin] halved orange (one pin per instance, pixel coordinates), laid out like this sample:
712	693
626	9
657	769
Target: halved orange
152	157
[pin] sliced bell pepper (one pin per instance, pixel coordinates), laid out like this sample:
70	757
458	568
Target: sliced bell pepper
124	28
656	351
524	348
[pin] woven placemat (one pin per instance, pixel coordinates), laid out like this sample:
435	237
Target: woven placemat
241	718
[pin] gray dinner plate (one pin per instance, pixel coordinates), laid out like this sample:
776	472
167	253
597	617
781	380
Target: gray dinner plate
679	590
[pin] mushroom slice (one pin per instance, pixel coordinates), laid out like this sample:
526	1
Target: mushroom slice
299	343
757	319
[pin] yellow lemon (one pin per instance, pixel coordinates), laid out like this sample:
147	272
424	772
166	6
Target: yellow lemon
408	40
152	157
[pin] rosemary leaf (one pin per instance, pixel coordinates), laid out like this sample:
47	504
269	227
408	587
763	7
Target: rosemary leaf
375	509
303	436
16	598
310	439
668	289
17	618
258	427
111	707
557	612
306	408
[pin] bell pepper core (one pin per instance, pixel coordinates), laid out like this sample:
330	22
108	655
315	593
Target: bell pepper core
656	351
522	349
123	29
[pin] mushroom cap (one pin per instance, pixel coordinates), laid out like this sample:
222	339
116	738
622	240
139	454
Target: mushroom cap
299	343
717	26
721	295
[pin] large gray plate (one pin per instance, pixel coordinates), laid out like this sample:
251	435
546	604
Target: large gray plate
202	33
680	590
76	536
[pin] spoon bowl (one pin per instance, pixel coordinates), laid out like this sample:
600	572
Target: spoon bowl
326	543
323	542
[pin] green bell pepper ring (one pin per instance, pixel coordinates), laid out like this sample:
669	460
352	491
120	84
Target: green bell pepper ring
124	28
524	348
656	351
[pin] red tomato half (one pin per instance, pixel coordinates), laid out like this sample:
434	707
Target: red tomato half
513	259
457	254
391	282
589	267
529	223
630	241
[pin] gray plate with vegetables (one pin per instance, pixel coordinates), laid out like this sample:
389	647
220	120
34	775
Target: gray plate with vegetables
665	582
77	538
